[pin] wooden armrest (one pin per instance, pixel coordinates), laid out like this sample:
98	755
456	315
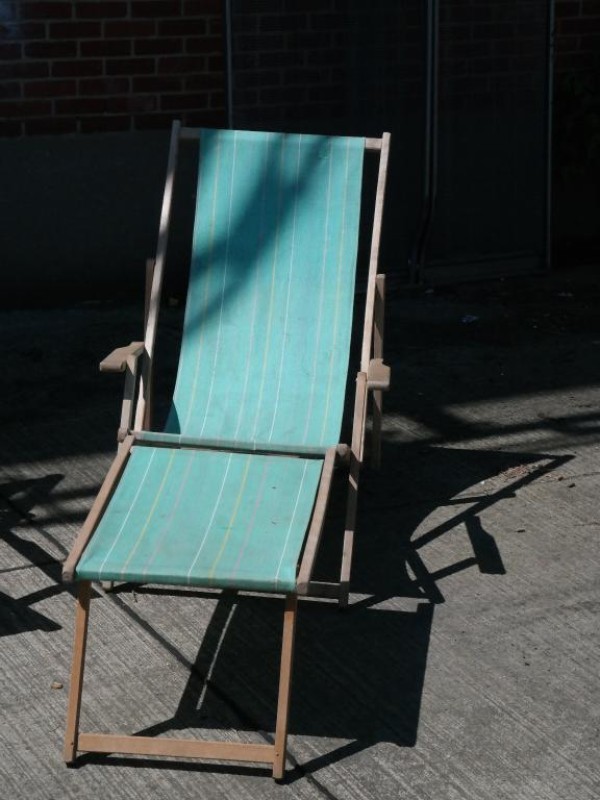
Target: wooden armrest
378	375
117	360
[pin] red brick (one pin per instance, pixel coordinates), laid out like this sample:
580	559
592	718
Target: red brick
130	66
133	104
216	63
182	27
129	29
51	49
75	30
283	22
52	10
104	9
10	90
590	44
25	108
280	58
63	88
199	8
10	51
81	105
103	86
567	8
99	48
175	102
210	118
217	100
155	8
158	83
145	122
158	47
77	69
24	69
204	44
22	30
180	64
105	124
50	125
204	81
215	27
579	26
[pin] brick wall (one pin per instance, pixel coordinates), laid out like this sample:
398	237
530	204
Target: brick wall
79	66
298	63
577	36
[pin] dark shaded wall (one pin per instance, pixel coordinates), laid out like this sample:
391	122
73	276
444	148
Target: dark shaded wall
88	90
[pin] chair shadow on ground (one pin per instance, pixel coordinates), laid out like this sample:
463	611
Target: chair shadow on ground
358	674
17	499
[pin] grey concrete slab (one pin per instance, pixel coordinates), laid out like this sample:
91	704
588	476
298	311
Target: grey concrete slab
466	666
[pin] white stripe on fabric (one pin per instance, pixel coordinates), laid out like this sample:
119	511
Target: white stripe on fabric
189	333
210	522
131	507
291	525
314	377
223	287
289	291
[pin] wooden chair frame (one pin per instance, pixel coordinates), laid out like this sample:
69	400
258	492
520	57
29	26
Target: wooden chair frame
372	378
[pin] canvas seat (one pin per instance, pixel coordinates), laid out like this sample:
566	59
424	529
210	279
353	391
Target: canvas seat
232	492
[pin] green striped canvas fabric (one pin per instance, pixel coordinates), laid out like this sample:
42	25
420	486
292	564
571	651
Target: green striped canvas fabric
205	518
269	310
263	366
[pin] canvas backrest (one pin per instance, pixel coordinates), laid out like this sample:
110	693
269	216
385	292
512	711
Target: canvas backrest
267	326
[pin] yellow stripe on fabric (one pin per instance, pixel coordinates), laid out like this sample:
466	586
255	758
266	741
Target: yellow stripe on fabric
232	519
337	298
151	512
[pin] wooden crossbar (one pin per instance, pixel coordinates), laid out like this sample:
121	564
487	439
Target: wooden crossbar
177	748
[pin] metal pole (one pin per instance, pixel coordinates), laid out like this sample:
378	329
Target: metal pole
430	168
549	126
228	37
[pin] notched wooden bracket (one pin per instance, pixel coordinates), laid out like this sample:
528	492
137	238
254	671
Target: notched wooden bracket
117	360
378	375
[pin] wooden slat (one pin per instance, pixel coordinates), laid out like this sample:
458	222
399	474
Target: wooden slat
316	526
97	509
181	748
374	256
378	332
76	685
157	280
285	685
117	360
358	435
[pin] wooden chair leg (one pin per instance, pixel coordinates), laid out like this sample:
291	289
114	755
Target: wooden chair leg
379	313
285	685
74	707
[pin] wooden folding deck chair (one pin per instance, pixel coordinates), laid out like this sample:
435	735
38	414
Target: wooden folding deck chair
233	493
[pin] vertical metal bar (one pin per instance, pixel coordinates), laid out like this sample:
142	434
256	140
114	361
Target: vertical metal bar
228	43
430	168
550	43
